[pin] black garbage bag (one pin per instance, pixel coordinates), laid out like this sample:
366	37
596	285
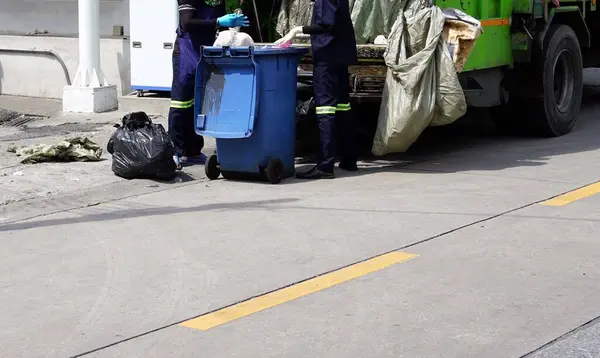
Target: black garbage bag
141	149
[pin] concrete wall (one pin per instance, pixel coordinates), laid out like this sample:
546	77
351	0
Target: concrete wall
42	76
58	17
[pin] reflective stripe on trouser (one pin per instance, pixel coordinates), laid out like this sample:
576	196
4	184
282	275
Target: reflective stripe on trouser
332	110
326	110
181	112
343	107
182	104
332	97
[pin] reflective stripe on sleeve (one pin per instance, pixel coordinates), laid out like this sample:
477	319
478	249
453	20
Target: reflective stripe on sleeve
185	7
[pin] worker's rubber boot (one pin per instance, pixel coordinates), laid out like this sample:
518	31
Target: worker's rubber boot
315	173
191	160
177	161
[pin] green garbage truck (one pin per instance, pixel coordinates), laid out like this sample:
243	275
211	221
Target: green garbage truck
527	65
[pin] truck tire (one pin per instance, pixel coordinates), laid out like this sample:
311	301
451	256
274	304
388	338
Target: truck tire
560	67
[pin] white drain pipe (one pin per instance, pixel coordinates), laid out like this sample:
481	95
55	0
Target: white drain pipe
48	53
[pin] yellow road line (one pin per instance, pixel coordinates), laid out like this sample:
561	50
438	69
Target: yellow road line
298	290
574	195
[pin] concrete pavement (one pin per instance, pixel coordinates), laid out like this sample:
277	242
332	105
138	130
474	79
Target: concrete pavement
581	342
498	273
498	289
40	185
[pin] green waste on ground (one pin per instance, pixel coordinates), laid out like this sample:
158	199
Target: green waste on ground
78	149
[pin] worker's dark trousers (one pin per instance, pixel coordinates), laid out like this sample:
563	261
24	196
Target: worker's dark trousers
336	123
181	113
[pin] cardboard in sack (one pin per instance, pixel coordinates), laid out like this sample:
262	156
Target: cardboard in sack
461	31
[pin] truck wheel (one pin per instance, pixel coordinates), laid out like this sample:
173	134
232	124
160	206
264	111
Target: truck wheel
561	69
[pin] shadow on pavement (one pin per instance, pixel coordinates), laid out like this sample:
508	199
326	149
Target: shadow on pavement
137	213
264	204
472	144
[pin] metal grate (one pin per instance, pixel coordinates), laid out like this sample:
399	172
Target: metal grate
18	121
367	84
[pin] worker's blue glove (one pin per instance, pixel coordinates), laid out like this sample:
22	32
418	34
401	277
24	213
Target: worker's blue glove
233	20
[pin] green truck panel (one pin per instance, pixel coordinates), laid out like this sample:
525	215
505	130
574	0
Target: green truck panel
494	46
492	49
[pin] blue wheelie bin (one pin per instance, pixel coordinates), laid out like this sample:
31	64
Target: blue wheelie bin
245	97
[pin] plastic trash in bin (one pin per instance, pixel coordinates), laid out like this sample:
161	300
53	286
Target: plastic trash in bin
246	99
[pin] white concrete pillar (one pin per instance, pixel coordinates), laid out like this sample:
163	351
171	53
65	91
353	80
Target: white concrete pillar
89	72
89	93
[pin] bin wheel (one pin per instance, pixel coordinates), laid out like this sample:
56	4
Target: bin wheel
212	167
274	171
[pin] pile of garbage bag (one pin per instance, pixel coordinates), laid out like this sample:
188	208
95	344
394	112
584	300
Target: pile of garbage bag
142	149
371	18
421	87
233	37
426	48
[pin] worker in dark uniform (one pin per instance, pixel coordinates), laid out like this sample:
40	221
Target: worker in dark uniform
198	23
333	49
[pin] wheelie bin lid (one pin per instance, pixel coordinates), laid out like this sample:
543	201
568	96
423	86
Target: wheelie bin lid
227	88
